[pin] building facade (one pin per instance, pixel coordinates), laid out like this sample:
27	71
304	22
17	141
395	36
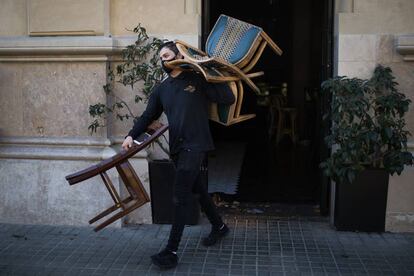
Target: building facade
54	59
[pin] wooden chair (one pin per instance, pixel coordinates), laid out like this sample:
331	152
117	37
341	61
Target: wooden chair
137	194
232	50
286	118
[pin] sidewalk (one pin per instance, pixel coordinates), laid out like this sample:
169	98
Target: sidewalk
255	246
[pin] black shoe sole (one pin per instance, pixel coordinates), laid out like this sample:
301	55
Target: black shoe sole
163	266
218	239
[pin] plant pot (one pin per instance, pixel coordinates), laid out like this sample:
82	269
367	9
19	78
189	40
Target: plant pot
361	205
162	175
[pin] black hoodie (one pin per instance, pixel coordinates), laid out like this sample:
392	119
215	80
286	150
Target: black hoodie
184	99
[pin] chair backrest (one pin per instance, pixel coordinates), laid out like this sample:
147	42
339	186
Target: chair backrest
231	39
118	158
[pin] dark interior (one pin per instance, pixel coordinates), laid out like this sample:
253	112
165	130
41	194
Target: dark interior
283	171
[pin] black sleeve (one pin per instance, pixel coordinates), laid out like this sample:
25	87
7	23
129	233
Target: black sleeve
152	112
219	93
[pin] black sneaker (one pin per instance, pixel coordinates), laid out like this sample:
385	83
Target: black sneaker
215	235
166	259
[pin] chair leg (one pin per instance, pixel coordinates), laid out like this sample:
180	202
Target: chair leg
118	216
111	189
246	79
110	210
272	44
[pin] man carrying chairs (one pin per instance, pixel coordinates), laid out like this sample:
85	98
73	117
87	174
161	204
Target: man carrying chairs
200	86
184	98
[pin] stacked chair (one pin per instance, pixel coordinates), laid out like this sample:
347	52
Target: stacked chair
232	50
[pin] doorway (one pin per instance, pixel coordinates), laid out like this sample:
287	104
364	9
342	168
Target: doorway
256	161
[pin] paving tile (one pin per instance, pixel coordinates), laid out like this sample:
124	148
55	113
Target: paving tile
256	246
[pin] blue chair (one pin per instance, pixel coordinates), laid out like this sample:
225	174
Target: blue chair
232	50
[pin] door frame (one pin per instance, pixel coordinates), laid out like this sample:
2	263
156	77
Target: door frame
327	71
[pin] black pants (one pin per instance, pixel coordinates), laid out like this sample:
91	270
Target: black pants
188	166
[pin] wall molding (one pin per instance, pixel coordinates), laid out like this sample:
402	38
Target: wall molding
41	47
405	47
60	148
344	6
56	141
72	48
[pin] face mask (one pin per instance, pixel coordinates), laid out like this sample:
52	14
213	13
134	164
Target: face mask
165	68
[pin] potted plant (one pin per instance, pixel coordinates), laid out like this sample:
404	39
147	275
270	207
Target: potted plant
369	142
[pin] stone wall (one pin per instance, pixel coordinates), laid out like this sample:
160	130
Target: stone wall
54	57
371	32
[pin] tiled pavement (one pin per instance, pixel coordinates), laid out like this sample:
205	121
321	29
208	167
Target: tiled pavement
255	246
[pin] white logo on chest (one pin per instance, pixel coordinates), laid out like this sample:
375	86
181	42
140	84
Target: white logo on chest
190	88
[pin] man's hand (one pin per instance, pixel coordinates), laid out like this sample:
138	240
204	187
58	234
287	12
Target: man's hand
127	143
